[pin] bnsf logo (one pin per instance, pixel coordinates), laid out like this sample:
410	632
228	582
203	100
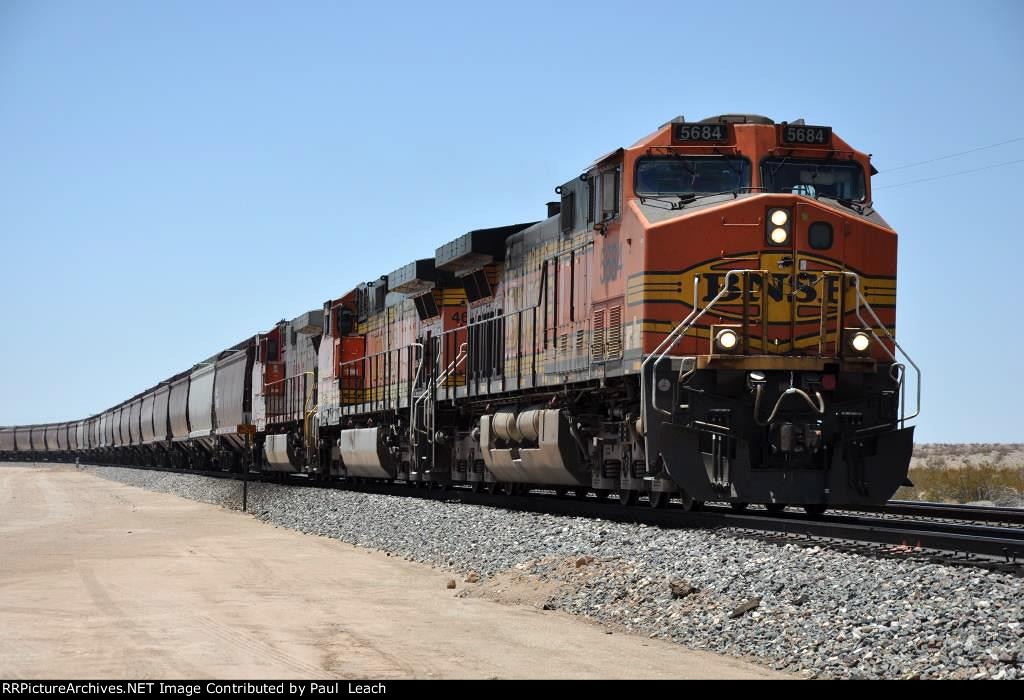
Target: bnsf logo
807	289
780	287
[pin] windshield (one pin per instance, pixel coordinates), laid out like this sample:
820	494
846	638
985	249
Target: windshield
691	175
814	178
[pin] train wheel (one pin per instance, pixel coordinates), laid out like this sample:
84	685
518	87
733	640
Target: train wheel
815	508
658	499
738	506
561	491
602	493
477	487
690	503
581	492
775	507
628	497
492	487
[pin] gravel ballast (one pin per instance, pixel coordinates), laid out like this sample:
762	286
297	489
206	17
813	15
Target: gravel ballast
814	610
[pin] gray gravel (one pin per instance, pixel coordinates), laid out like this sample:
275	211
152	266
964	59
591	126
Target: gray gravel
817	611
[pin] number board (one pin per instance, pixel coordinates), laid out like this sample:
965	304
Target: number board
706	133
796	135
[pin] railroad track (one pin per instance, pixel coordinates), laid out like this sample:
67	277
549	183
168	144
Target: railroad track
946	511
951	533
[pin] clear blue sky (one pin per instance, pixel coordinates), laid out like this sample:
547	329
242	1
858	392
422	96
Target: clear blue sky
176	176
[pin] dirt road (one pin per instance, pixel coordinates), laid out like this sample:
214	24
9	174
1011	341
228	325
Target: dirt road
99	579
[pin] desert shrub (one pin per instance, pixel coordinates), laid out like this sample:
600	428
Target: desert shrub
981	482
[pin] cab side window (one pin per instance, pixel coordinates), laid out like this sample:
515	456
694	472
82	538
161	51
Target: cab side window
609	193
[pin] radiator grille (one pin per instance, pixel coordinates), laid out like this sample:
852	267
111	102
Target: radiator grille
613	344
597	341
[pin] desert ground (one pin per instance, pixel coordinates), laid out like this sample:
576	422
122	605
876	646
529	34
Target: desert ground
103	580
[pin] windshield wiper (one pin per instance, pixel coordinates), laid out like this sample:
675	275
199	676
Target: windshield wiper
675	201
685	199
659	197
777	167
850	204
686	164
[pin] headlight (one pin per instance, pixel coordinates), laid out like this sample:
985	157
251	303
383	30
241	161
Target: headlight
777	226
857	341
726	339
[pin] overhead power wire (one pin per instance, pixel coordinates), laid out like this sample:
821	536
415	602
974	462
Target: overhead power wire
951	155
961	172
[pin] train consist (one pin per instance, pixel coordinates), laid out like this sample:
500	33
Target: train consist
708	314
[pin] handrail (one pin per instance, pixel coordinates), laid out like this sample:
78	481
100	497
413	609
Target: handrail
687	320
670	341
412	389
492	319
452	366
284	381
861	299
389	351
825	306
419	367
434	386
306	433
377	354
677	334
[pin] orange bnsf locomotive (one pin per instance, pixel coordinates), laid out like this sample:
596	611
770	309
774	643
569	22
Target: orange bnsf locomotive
708	315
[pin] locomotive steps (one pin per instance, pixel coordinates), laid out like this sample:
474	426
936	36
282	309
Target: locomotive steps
817	611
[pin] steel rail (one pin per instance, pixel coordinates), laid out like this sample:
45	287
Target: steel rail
946	511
